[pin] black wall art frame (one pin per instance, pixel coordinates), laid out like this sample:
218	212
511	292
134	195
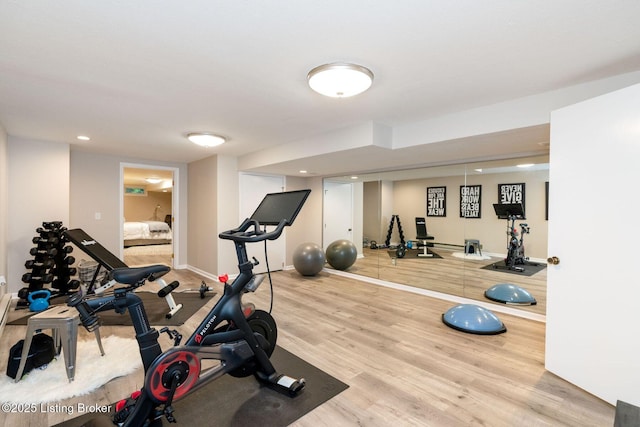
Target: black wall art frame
512	193
437	201
470	201
546	200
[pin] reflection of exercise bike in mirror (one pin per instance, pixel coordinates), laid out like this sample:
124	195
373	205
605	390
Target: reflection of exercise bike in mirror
240	337
515	253
515	248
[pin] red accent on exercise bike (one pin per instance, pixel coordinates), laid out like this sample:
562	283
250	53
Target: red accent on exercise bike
120	404
184	361
224	278
248	309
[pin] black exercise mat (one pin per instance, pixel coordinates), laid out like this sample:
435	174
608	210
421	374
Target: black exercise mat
240	402
413	253
156	309
530	268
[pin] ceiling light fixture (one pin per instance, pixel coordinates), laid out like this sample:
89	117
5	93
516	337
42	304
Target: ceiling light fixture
153	180
206	139
83	138
340	80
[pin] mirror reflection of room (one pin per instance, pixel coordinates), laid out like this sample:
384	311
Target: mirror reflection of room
466	243
147	222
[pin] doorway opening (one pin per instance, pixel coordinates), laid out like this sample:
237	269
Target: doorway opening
148	231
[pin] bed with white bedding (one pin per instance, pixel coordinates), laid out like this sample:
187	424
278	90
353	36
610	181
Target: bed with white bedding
146	233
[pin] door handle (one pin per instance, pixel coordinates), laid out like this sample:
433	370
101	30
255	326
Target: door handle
553	260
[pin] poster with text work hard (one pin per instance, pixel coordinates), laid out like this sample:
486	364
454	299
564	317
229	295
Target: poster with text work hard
470	201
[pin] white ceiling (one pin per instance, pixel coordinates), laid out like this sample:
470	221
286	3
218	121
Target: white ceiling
136	76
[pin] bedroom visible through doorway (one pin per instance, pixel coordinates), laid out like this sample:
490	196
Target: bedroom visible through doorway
147	215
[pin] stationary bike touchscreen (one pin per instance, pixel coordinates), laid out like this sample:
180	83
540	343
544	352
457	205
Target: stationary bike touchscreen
276	207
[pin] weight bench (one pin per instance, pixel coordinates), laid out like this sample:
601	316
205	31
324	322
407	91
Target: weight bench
421	234
109	261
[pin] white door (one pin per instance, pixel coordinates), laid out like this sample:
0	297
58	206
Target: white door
593	293
337	212
253	188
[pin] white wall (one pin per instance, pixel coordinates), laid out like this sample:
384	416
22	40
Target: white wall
308	225
4	202
202	253
228	211
95	187
39	176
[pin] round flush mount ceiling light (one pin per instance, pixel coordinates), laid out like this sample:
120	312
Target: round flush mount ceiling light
206	139
340	80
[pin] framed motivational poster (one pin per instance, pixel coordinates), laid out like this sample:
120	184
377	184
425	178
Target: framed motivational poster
512	193
470	201
436	201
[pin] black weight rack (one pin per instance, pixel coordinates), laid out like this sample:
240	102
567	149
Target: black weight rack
50	265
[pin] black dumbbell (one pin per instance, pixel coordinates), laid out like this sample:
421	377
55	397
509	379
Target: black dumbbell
45	278
49	251
47	263
23	293
69	260
73	284
52	224
45	240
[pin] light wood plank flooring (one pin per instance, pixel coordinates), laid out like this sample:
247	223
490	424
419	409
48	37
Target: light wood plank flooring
450	275
403	365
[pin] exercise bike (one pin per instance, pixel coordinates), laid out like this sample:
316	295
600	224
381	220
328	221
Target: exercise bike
515	248
239	336
515	252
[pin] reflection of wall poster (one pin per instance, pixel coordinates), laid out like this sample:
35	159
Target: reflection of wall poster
511	193
436	201
135	191
470	198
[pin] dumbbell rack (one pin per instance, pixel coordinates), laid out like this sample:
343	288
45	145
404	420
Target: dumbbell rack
51	263
395	218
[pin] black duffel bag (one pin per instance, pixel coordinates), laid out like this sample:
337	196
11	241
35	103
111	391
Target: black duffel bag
41	352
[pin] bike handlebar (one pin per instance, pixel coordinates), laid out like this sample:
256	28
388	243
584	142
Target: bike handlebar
249	231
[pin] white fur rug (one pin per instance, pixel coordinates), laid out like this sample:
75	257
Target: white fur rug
474	256
92	371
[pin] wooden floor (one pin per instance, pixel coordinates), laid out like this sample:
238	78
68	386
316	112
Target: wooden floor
463	277
404	367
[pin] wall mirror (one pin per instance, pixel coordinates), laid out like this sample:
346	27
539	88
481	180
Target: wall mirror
464	254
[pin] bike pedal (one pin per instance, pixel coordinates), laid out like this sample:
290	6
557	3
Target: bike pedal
124	406
291	386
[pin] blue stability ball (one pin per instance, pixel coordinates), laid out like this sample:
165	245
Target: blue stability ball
473	319
510	294
308	259
341	254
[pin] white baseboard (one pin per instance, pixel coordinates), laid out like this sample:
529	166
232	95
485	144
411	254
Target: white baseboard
5	302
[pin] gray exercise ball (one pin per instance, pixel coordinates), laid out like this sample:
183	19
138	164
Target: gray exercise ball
341	254
308	259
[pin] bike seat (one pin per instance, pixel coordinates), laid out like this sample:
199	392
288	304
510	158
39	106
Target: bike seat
133	275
